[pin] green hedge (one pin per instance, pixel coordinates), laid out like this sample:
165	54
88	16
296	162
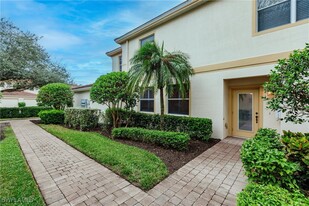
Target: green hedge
52	116
21	112
255	194
82	119
174	140
265	161
21	104
200	128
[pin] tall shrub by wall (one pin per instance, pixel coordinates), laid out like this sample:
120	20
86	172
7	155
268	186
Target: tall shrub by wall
82	119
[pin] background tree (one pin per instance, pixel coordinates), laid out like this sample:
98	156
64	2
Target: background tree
24	63
152	66
289	84
110	90
57	95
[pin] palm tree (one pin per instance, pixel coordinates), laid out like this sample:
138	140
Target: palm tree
152	66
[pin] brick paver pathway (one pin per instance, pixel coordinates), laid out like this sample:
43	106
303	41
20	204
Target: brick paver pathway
67	177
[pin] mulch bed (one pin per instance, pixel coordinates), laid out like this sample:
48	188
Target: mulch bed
172	158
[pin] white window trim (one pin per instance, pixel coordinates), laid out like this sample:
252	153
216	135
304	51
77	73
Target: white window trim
180	98
147	99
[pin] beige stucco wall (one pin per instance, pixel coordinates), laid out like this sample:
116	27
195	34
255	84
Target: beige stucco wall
115	62
219	32
78	96
13	101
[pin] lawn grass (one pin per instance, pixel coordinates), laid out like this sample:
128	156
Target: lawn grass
17	186
138	166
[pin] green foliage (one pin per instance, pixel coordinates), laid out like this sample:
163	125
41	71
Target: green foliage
296	146
18	186
270	195
52	116
174	140
24	62
289	84
82	119
266	163
56	95
152	66
110	89
21	104
138	166
200	128
21	112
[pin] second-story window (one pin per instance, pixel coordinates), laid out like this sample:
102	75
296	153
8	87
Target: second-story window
147	39
120	63
273	13
147	100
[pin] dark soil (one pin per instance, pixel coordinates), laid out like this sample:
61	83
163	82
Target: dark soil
172	158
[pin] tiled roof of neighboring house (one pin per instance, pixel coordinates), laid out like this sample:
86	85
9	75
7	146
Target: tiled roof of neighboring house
82	88
114	52
18	93
161	19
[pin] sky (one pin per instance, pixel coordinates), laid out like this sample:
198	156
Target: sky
78	33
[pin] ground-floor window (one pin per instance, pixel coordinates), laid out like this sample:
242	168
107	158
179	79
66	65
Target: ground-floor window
178	104
147	100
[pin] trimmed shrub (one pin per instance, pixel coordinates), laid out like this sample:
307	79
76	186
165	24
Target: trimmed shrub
56	95
174	140
82	119
21	104
200	128
255	194
296	146
52	116
21	112
265	163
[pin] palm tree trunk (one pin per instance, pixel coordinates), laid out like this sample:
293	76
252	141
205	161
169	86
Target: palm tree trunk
162	108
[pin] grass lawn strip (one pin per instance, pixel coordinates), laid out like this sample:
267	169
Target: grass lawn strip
138	166
17	185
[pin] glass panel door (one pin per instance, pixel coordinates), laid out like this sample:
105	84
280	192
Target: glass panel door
245	111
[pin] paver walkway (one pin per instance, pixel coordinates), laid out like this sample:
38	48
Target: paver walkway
67	177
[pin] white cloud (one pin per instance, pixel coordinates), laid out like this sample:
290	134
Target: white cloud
55	40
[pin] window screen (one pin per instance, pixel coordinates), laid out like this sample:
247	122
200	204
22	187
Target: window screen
302	9
147	100
273	14
147	39
178	104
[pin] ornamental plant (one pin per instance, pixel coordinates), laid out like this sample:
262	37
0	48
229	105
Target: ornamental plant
56	95
111	90
289	84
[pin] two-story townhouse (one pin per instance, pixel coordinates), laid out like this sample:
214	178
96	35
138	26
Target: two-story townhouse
232	45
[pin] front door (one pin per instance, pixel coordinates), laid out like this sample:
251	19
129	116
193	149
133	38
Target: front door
245	112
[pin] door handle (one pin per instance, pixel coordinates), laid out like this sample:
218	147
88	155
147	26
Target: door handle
256	117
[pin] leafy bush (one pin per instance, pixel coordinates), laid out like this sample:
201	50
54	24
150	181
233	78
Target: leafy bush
296	146
21	112
200	128
111	89
56	95
265	163
21	104
52	116
175	140
82	119
255	194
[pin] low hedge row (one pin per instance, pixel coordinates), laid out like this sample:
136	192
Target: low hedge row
265	161
174	140
82	119
52	116
21	112
255	194
200	128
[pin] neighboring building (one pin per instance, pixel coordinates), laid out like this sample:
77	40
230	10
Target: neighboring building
81	98
232	45
10	98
